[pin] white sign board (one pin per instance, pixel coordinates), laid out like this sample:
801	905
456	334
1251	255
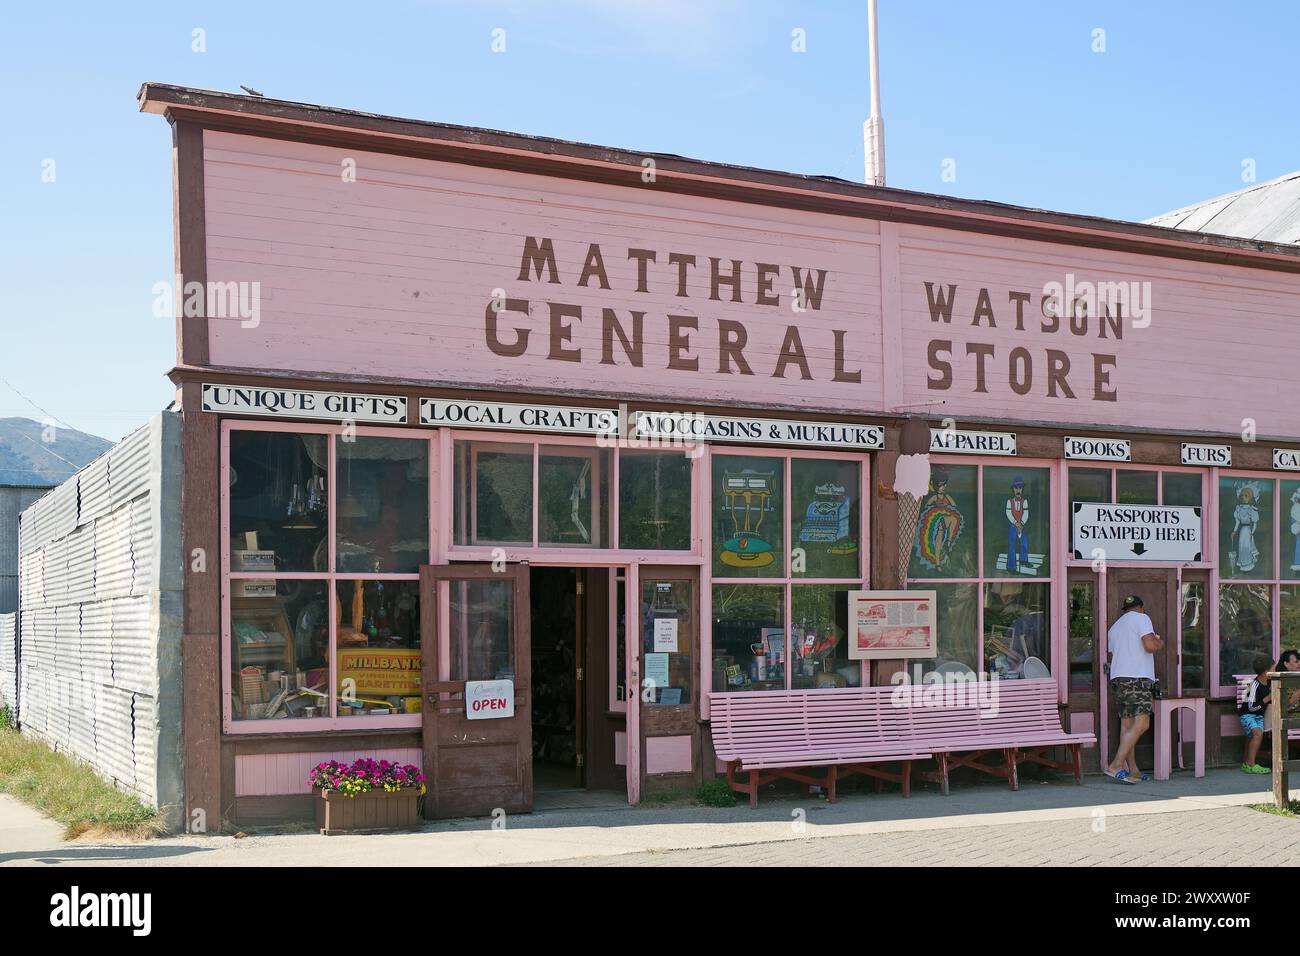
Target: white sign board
690	427
1137	532
1286	459
1098	449
296	403
489	699
1193	454
532	418
887	625
972	443
666	634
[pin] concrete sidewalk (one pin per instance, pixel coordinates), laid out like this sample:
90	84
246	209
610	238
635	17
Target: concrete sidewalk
588	832
23	829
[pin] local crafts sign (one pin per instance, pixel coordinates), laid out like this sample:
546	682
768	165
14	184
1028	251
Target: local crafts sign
296	403
489	699
1137	532
690	427
533	418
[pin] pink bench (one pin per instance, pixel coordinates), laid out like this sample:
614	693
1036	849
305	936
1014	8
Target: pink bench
1018	720
790	734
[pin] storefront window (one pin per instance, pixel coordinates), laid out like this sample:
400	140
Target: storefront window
1017	509
1016	630
1191	605
654	503
1090	484
825	518
958	624
279	649
1245	627
819	647
748	637
377	636
668	640
1136	487
1083	636
748	517
382	521
1289	617
1182	488
481	613
573	497
1245	527
494	493
1289	565
279	505
947	540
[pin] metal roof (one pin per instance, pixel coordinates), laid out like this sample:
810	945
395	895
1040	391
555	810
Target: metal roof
1267	212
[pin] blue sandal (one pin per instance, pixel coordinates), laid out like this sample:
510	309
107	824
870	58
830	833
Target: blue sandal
1120	776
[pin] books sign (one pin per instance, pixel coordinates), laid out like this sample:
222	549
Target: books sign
1137	532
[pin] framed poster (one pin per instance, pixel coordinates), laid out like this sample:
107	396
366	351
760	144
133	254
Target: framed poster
887	625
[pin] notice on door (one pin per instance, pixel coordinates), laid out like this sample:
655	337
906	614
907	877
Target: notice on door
1136	532
666	634
488	699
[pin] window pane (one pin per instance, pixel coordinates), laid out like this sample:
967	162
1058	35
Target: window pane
1182	488
481	614
378	647
1191	604
1083	635
279	645
1290	564
620	641
1015	627
1289	617
825	518
383	505
748	637
958	620
1245	627
1245	528
1135	487
573	504
748	525
278	502
946	535
654	501
668	639
1090	484
819	647
1017	504
494	493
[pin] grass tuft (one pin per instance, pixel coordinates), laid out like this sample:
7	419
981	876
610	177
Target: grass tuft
70	791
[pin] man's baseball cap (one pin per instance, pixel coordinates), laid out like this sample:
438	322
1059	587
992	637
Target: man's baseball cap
1132	601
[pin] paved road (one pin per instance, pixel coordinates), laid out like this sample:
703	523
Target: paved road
1231	836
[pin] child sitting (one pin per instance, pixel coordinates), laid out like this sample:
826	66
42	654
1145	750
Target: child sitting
1250	711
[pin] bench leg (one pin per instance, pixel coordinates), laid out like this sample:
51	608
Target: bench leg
1013	777
943	773
832	776
1078	765
907	778
750	786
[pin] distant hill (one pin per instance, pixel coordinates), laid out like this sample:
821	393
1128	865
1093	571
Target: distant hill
26	460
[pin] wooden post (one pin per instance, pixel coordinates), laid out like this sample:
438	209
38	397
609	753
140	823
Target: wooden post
1277	723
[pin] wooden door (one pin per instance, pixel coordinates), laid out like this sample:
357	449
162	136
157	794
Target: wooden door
1084	678
1158	589
668	713
475	622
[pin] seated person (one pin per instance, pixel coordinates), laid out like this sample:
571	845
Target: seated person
1250	711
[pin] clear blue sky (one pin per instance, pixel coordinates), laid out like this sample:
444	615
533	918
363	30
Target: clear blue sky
1012	91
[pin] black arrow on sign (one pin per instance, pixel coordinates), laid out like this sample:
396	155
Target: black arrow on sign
1139	548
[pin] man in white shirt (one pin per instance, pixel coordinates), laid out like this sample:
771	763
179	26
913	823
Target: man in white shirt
1133	642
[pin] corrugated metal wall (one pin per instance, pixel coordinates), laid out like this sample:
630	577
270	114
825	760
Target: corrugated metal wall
12	502
8	661
100	624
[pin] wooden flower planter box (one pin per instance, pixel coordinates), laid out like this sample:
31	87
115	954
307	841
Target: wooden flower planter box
378	810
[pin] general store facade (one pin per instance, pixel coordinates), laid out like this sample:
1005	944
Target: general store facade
605	435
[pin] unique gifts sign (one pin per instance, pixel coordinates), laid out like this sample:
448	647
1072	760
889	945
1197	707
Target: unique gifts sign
489	699
887	625
1137	532
295	403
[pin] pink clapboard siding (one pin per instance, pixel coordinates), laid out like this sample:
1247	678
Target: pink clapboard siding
391	275
259	775
668	754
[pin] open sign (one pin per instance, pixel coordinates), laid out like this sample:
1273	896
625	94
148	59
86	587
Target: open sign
488	699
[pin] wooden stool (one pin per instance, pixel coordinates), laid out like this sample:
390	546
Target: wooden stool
1165	707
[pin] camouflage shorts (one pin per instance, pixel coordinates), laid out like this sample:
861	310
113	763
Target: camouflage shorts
1132	695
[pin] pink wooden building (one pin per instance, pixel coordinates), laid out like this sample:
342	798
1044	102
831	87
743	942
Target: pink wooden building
562	420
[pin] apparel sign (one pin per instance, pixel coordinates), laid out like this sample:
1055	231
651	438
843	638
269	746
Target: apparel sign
1099	449
1286	459
1206	454
295	403
533	418
1137	532
972	443
687	426
489	699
